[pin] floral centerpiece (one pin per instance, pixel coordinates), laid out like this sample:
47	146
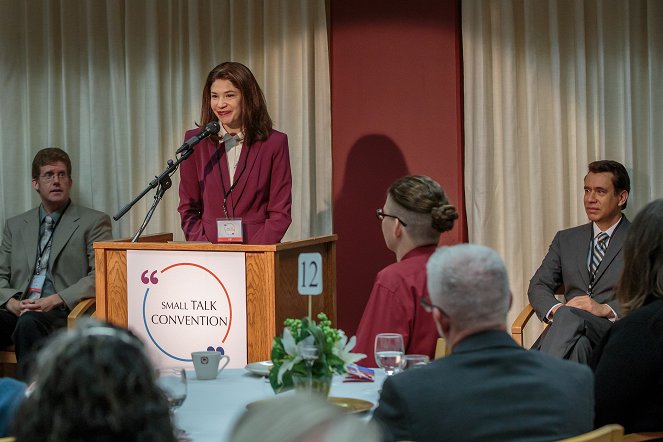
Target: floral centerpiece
311	350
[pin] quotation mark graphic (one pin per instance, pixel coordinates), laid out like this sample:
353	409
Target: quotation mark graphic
152	279
219	349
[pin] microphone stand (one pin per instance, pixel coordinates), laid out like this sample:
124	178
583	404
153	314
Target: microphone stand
162	184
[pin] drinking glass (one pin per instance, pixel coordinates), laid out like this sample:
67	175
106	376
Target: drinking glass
412	361
173	383
310	355
389	352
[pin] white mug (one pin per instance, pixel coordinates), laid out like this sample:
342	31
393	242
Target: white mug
206	364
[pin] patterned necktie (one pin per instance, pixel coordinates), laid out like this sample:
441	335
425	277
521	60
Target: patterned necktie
600	246
45	244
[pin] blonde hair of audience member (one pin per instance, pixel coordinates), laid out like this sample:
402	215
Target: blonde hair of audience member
423	209
301	418
94	383
643	259
469	286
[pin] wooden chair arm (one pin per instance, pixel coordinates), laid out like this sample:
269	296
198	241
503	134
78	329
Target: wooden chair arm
607	433
520	322
84	307
639	437
7	356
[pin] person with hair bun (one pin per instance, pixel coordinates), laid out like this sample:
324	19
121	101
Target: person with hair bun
414	215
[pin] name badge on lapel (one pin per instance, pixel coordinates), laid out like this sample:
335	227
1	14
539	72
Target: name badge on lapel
229	230
37	283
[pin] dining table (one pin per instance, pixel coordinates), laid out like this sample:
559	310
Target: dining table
212	407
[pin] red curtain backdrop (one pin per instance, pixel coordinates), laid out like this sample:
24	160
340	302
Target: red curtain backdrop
396	77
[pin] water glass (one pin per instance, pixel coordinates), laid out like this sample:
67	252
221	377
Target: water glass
389	352
173	383
413	361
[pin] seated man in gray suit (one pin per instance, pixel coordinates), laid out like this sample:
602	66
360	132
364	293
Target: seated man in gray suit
46	258
588	262
489	388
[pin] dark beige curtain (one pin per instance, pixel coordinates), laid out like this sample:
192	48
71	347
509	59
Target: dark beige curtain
117	83
549	87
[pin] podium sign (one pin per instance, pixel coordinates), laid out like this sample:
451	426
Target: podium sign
187	301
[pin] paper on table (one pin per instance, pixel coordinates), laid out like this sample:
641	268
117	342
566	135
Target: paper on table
357	373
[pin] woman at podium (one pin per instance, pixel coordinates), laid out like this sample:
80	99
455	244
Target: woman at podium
236	186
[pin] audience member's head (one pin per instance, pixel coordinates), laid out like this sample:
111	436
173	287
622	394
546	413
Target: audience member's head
94	383
643	259
469	288
420	207
301	418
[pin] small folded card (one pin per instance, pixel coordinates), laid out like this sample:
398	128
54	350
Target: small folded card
357	373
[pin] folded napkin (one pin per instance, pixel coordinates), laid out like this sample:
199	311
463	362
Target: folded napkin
357	373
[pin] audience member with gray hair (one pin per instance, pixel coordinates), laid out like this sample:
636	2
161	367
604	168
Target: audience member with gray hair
301	418
94	383
416	212
488	388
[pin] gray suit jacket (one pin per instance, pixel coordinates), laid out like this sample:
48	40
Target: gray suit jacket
488	389
71	262
566	264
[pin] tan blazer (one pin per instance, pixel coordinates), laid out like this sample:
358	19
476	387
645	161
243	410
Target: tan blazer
71	262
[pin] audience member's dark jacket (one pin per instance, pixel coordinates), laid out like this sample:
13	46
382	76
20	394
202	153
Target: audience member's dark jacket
488	389
628	365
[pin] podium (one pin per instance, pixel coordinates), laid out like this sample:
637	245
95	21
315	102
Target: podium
271	282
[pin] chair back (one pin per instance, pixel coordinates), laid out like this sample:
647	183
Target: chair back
441	348
607	433
518	326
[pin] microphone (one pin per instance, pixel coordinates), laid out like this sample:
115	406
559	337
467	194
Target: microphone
212	128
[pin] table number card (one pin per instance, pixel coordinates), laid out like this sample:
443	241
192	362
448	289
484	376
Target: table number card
309	274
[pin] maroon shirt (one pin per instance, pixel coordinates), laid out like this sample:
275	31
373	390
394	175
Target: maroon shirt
393	307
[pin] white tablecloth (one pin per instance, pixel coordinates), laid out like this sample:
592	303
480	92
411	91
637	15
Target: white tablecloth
212	407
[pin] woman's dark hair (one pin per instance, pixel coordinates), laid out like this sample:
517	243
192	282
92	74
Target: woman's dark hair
256	122
643	259
94	383
423	206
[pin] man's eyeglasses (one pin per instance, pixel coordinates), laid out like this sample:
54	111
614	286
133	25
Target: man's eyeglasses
50	176
380	215
427	304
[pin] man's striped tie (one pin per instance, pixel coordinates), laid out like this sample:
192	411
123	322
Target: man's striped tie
600	246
